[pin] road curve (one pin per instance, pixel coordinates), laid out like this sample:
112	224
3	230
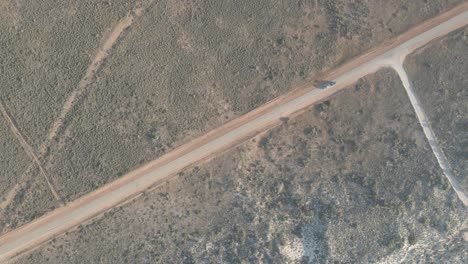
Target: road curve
230	134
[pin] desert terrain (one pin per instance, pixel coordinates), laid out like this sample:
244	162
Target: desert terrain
439	77
351	179
155	93
46	47
177	71
99	89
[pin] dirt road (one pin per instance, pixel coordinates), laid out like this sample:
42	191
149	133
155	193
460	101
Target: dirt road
429	133
104	51
218	140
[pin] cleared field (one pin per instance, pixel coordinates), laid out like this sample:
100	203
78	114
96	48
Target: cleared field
186	67
439	76
350	180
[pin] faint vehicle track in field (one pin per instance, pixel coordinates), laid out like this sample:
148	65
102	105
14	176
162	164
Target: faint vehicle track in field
103	53
428	132
10	196
14	128
230	134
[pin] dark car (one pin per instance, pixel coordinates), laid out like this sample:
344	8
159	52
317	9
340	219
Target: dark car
323	84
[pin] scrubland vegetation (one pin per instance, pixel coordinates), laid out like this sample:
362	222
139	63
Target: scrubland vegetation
183	68
186	67
440	79
46	48
22	196
350	180
13	160
32	198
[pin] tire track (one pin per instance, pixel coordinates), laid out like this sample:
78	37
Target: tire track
10	196
29	150
90	75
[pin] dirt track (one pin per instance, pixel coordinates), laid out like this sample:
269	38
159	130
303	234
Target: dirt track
430	135
92	204
91	72
27	147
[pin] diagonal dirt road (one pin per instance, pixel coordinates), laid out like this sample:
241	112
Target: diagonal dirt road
429	133
218	140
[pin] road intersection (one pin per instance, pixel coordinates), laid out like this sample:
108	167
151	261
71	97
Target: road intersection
76	212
